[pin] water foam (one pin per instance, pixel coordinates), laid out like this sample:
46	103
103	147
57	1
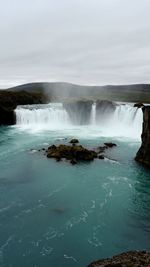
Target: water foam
124	121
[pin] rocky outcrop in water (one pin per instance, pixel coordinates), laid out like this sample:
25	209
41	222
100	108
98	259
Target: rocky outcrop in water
129	259
73	153
143	155
79	111
110	145
76	153
10	100
74	141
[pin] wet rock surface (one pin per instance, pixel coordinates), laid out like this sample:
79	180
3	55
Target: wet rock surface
74	152
103	105
10	100
74	141
110	145
143	155
79	111
129	259
138	105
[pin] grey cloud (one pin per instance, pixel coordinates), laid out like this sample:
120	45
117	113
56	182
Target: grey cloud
81	41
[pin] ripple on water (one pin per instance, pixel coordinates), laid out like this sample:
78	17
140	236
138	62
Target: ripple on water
70	258
4	246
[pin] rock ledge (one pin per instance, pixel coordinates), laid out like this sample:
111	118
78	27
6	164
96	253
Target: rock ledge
143	155
128	259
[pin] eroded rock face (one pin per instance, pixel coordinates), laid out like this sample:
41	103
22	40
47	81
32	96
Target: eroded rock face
143	155
104	109
129	259
139	105
9	101
79	111
105	105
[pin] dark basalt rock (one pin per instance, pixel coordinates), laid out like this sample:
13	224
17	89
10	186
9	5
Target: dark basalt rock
52	147
143	155
73	153
73	161
101	157
7	116
58	159
103	106
74	141
10	100
79	111
110	145
101	149
104	109
138	105
129	259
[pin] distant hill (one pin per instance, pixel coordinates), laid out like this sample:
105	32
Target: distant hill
61	91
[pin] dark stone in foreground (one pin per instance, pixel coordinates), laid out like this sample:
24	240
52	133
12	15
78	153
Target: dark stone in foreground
102	149
74	141
101	157
110	145
72	153
129	259
143	155
73	161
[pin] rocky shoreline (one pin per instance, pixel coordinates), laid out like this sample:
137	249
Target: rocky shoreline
128	259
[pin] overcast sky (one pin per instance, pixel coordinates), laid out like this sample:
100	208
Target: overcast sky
79	41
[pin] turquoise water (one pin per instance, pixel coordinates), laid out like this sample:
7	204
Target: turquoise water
59	215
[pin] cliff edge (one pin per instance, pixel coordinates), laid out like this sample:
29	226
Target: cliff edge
143	155
10	100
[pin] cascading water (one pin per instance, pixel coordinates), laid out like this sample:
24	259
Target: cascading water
93	114
51	115
123	121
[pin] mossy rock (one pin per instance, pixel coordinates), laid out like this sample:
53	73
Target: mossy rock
77	153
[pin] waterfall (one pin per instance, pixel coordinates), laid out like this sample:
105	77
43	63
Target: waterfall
51	115
93	114
124	120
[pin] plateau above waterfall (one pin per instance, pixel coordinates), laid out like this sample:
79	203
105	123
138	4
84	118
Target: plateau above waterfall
112	119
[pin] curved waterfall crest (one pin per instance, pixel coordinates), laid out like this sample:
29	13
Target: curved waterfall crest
124	120
50	114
